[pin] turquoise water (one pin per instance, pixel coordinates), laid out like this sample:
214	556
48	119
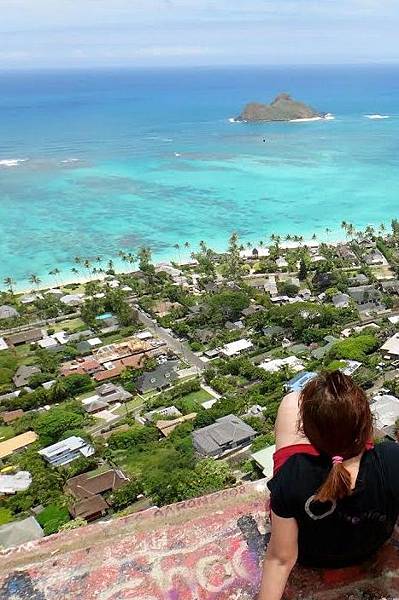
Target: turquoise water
104	316
115	160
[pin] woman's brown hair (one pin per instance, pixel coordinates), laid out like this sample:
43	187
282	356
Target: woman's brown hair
336	418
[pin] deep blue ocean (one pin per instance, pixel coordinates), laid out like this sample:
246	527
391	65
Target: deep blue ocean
116	159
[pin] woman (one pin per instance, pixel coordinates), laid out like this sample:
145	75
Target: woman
334	497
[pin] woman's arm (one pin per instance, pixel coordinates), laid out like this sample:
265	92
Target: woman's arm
281	556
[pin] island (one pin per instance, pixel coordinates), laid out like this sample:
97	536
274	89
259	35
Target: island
283	108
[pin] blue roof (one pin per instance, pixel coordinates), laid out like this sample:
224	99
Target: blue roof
299	381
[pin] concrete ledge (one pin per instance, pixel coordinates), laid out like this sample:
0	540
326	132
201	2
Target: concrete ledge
210	548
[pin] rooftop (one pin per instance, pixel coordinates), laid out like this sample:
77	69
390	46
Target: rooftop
208	548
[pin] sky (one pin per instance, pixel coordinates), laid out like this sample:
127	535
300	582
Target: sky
106	33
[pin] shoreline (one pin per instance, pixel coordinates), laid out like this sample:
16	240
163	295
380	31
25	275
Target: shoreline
64	279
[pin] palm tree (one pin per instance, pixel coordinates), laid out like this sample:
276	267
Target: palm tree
177	247
9	282
187	245
314	237
87	266
75	271
55	272
131	258
33	278
261	243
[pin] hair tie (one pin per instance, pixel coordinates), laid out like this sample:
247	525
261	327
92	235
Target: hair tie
337	460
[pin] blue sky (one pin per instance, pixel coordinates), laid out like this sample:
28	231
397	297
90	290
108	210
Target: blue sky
83	33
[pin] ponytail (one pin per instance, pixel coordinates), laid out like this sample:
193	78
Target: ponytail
335	417
337	485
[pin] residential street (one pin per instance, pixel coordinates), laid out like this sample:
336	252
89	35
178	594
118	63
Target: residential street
181	348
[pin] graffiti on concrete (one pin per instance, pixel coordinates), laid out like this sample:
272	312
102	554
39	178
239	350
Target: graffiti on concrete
19	586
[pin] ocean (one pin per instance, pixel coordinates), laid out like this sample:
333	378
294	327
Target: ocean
96	162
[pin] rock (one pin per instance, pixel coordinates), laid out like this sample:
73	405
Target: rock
283	108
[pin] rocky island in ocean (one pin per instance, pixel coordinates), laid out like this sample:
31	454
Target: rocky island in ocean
283	108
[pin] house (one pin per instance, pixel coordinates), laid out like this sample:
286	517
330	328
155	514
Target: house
79	335
322	351
166	427
66	451
128	347
89	509
19	442
359	279
365	296
343	251
234	326
281	262
341	300
92	483
105	395
297	383
3	344
273	331
8	312
112	393
226	434
84	366
255	411
264	460
95	406
391	346
210	354
252	309
11	415
17	533
391	286
88	488
72	299
47	342
144	335
23	374
165	307
374	257
116	367
169	411
30	298
291	362
350	367
385	409
24	337
160	378
366	243
17	482
234	348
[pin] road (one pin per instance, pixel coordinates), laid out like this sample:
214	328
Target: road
379	383
180	348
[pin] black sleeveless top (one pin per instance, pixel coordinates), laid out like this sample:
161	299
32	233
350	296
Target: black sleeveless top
346	532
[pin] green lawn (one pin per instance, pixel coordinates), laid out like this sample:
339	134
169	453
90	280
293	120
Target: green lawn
6	432
71	325
129	406
200	396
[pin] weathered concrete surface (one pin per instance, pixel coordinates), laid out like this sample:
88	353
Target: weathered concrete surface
205	549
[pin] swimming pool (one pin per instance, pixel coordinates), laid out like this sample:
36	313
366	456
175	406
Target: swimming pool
107	315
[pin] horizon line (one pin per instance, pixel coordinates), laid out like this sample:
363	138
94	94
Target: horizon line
142	67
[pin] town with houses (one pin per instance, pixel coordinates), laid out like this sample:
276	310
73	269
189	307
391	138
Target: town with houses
125	391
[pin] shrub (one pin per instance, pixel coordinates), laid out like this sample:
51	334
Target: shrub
52	518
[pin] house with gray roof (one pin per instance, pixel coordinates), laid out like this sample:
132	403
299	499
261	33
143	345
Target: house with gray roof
226	434
163	376
8	312
17	533
341	300
23	374
110	392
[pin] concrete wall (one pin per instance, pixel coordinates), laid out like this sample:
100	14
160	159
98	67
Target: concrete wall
209	548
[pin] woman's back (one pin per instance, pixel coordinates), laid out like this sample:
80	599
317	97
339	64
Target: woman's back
347	531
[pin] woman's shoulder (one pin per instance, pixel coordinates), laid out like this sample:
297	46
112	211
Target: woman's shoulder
387	450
